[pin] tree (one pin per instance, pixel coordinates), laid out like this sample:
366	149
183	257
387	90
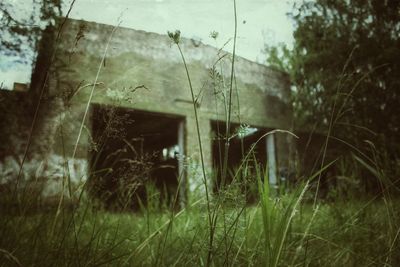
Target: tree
345	66
345	69
21	25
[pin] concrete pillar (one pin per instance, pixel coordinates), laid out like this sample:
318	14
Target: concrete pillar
181	168
285	156
271	157
193	159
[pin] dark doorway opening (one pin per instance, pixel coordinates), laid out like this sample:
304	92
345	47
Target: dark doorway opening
135	158
243	137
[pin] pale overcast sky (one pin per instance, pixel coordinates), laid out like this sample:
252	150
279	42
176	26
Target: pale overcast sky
259	22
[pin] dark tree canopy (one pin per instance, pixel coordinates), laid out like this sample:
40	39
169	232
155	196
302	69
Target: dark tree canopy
21	24
345	66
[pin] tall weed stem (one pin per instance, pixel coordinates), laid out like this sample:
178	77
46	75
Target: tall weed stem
211	236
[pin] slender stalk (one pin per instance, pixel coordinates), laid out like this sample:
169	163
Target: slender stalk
92	91
172	216
211	237
42	90
331	123
228	122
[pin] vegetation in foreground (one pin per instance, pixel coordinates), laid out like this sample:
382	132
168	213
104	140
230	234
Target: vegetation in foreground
294	229
345	233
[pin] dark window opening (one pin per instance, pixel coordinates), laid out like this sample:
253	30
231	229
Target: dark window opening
242	139
135	158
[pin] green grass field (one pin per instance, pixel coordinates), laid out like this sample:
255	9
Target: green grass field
353	233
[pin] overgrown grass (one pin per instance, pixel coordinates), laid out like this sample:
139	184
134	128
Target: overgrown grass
336	234
293	228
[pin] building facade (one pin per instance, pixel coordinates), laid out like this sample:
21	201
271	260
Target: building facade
104	89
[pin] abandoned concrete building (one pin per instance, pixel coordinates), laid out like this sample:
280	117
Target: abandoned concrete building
115	105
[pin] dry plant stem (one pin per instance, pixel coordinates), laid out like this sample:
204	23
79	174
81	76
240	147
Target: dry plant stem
40	98
211	237
66	170
331	124
92	91
228	122
82	125
157	232
333	121
11	257
305	234
169	228
216	112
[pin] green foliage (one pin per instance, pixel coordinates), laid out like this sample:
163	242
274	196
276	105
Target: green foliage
337	234
344	67
217	231
279	57
21	26
346	51
277	216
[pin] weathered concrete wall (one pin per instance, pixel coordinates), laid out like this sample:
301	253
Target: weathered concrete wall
15	115
136	58
43	169
139	58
